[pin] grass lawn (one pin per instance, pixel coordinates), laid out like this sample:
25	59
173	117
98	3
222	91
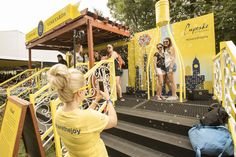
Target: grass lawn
22	153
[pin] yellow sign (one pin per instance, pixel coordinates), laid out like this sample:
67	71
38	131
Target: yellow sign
9	129
196	41
31	35
67	13
19	121
138	51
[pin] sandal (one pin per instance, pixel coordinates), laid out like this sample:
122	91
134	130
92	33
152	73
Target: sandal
162	97
158	98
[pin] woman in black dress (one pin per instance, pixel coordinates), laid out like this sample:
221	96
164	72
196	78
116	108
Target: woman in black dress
159	64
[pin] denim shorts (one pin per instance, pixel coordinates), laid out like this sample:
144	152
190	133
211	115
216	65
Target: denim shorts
173	70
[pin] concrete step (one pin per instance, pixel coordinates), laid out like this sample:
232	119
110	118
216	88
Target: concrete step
158	120
159	140
120	147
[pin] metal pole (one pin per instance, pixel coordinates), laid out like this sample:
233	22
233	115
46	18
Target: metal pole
74	47
30	60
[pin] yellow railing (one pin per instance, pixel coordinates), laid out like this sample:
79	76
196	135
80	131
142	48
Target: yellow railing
43	97
41	101
224	69
30	88
99	72
217	76
54	104
18	77
34	81
31	83
11	82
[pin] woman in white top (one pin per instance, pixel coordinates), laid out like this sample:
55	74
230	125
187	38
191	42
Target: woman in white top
170	64
81	56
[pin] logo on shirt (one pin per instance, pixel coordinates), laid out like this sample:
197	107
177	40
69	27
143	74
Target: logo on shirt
68	130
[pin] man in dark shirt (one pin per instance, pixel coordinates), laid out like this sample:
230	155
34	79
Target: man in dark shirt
61	60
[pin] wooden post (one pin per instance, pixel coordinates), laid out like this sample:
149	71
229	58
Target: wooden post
90	44
30	60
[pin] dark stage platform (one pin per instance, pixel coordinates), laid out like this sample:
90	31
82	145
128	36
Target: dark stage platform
153	128
194	109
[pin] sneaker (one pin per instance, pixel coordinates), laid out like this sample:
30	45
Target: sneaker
172	98
122	99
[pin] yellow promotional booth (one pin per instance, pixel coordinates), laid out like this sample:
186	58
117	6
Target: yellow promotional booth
195	39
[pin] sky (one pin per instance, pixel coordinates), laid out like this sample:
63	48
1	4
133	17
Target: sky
24	15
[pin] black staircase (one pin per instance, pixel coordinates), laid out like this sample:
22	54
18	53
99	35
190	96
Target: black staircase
153	129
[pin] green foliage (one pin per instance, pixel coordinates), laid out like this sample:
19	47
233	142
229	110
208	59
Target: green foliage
139	15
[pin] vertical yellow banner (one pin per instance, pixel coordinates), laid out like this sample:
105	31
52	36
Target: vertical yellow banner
196	41
9	130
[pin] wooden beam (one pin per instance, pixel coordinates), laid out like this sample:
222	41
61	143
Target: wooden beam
102	46
30	60
51	48
90	44
56	33
109	27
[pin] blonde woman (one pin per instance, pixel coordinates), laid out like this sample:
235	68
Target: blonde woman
170	64
118	70
79	129
159	64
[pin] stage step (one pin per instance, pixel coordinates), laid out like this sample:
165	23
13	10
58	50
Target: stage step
159	140
120	147
158	120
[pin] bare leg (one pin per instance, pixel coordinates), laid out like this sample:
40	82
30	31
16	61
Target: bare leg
157	87
161	81
160	77
168	82
172	83
118	87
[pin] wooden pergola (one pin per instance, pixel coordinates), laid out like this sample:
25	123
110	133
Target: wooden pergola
63	37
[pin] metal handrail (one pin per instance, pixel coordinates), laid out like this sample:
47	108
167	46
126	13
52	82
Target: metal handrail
226	60
28	79
216	56
14	77
45	134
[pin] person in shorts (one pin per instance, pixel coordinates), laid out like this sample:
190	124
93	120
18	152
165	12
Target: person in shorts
170	64
159	64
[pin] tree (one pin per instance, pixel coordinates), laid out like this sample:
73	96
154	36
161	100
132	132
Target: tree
139	15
